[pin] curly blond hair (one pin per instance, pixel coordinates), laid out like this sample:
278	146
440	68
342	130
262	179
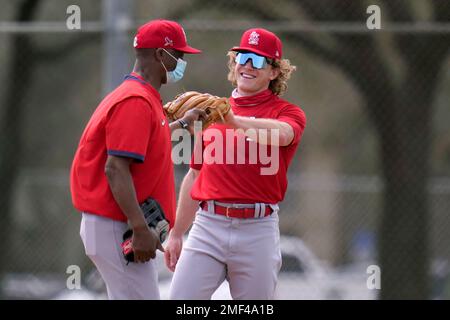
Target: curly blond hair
278	85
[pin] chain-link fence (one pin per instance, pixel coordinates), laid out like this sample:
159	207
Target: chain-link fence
369	185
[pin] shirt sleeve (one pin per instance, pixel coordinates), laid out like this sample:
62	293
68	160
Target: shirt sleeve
296	118
128	129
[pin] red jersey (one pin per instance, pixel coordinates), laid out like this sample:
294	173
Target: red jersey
129	122
243	181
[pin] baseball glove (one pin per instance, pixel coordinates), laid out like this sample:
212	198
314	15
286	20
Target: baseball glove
154	216
215	107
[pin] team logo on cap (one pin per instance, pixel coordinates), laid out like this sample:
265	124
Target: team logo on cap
254	38
277	53
168	41
135	42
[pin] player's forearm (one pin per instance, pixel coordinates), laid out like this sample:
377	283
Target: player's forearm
122	188
187	207
266	131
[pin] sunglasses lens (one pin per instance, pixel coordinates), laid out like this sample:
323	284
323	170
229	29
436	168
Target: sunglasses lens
258	62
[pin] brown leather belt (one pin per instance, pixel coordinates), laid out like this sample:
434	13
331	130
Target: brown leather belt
230	212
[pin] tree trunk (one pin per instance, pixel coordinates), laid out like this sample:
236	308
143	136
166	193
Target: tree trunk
404	223
405	142
19	76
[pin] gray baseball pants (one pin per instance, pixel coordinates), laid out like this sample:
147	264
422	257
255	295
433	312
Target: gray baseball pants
102	238
246	252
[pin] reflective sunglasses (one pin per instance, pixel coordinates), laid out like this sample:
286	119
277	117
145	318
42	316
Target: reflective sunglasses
258	62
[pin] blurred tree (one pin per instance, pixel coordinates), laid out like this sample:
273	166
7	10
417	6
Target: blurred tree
399	101
401	110
19	76
25	57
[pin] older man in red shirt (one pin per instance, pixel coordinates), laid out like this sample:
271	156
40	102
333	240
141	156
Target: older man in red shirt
124	157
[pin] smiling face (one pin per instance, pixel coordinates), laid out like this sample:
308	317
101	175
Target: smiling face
251	81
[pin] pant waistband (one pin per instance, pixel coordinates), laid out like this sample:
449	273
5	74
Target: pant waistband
241	211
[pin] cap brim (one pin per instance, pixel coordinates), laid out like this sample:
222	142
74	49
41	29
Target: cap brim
261	53
188	49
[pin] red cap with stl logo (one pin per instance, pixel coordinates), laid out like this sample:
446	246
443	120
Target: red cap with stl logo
262	42
163	34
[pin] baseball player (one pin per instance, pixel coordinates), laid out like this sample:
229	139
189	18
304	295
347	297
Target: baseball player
233	206
124	157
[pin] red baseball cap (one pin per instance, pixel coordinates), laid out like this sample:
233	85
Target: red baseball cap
262	42
163	34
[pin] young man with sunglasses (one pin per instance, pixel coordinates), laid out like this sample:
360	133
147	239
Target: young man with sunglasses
124	157
235	234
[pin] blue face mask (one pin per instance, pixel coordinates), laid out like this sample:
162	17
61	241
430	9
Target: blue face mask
178	72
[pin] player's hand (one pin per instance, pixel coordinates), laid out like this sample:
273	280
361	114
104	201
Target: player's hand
230	119
173	251
194	115
145	242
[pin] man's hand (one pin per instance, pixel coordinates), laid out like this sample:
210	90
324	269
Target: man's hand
145	242
194	115
173	251
230	119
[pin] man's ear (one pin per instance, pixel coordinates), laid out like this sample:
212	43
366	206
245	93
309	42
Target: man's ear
159	54
275	72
